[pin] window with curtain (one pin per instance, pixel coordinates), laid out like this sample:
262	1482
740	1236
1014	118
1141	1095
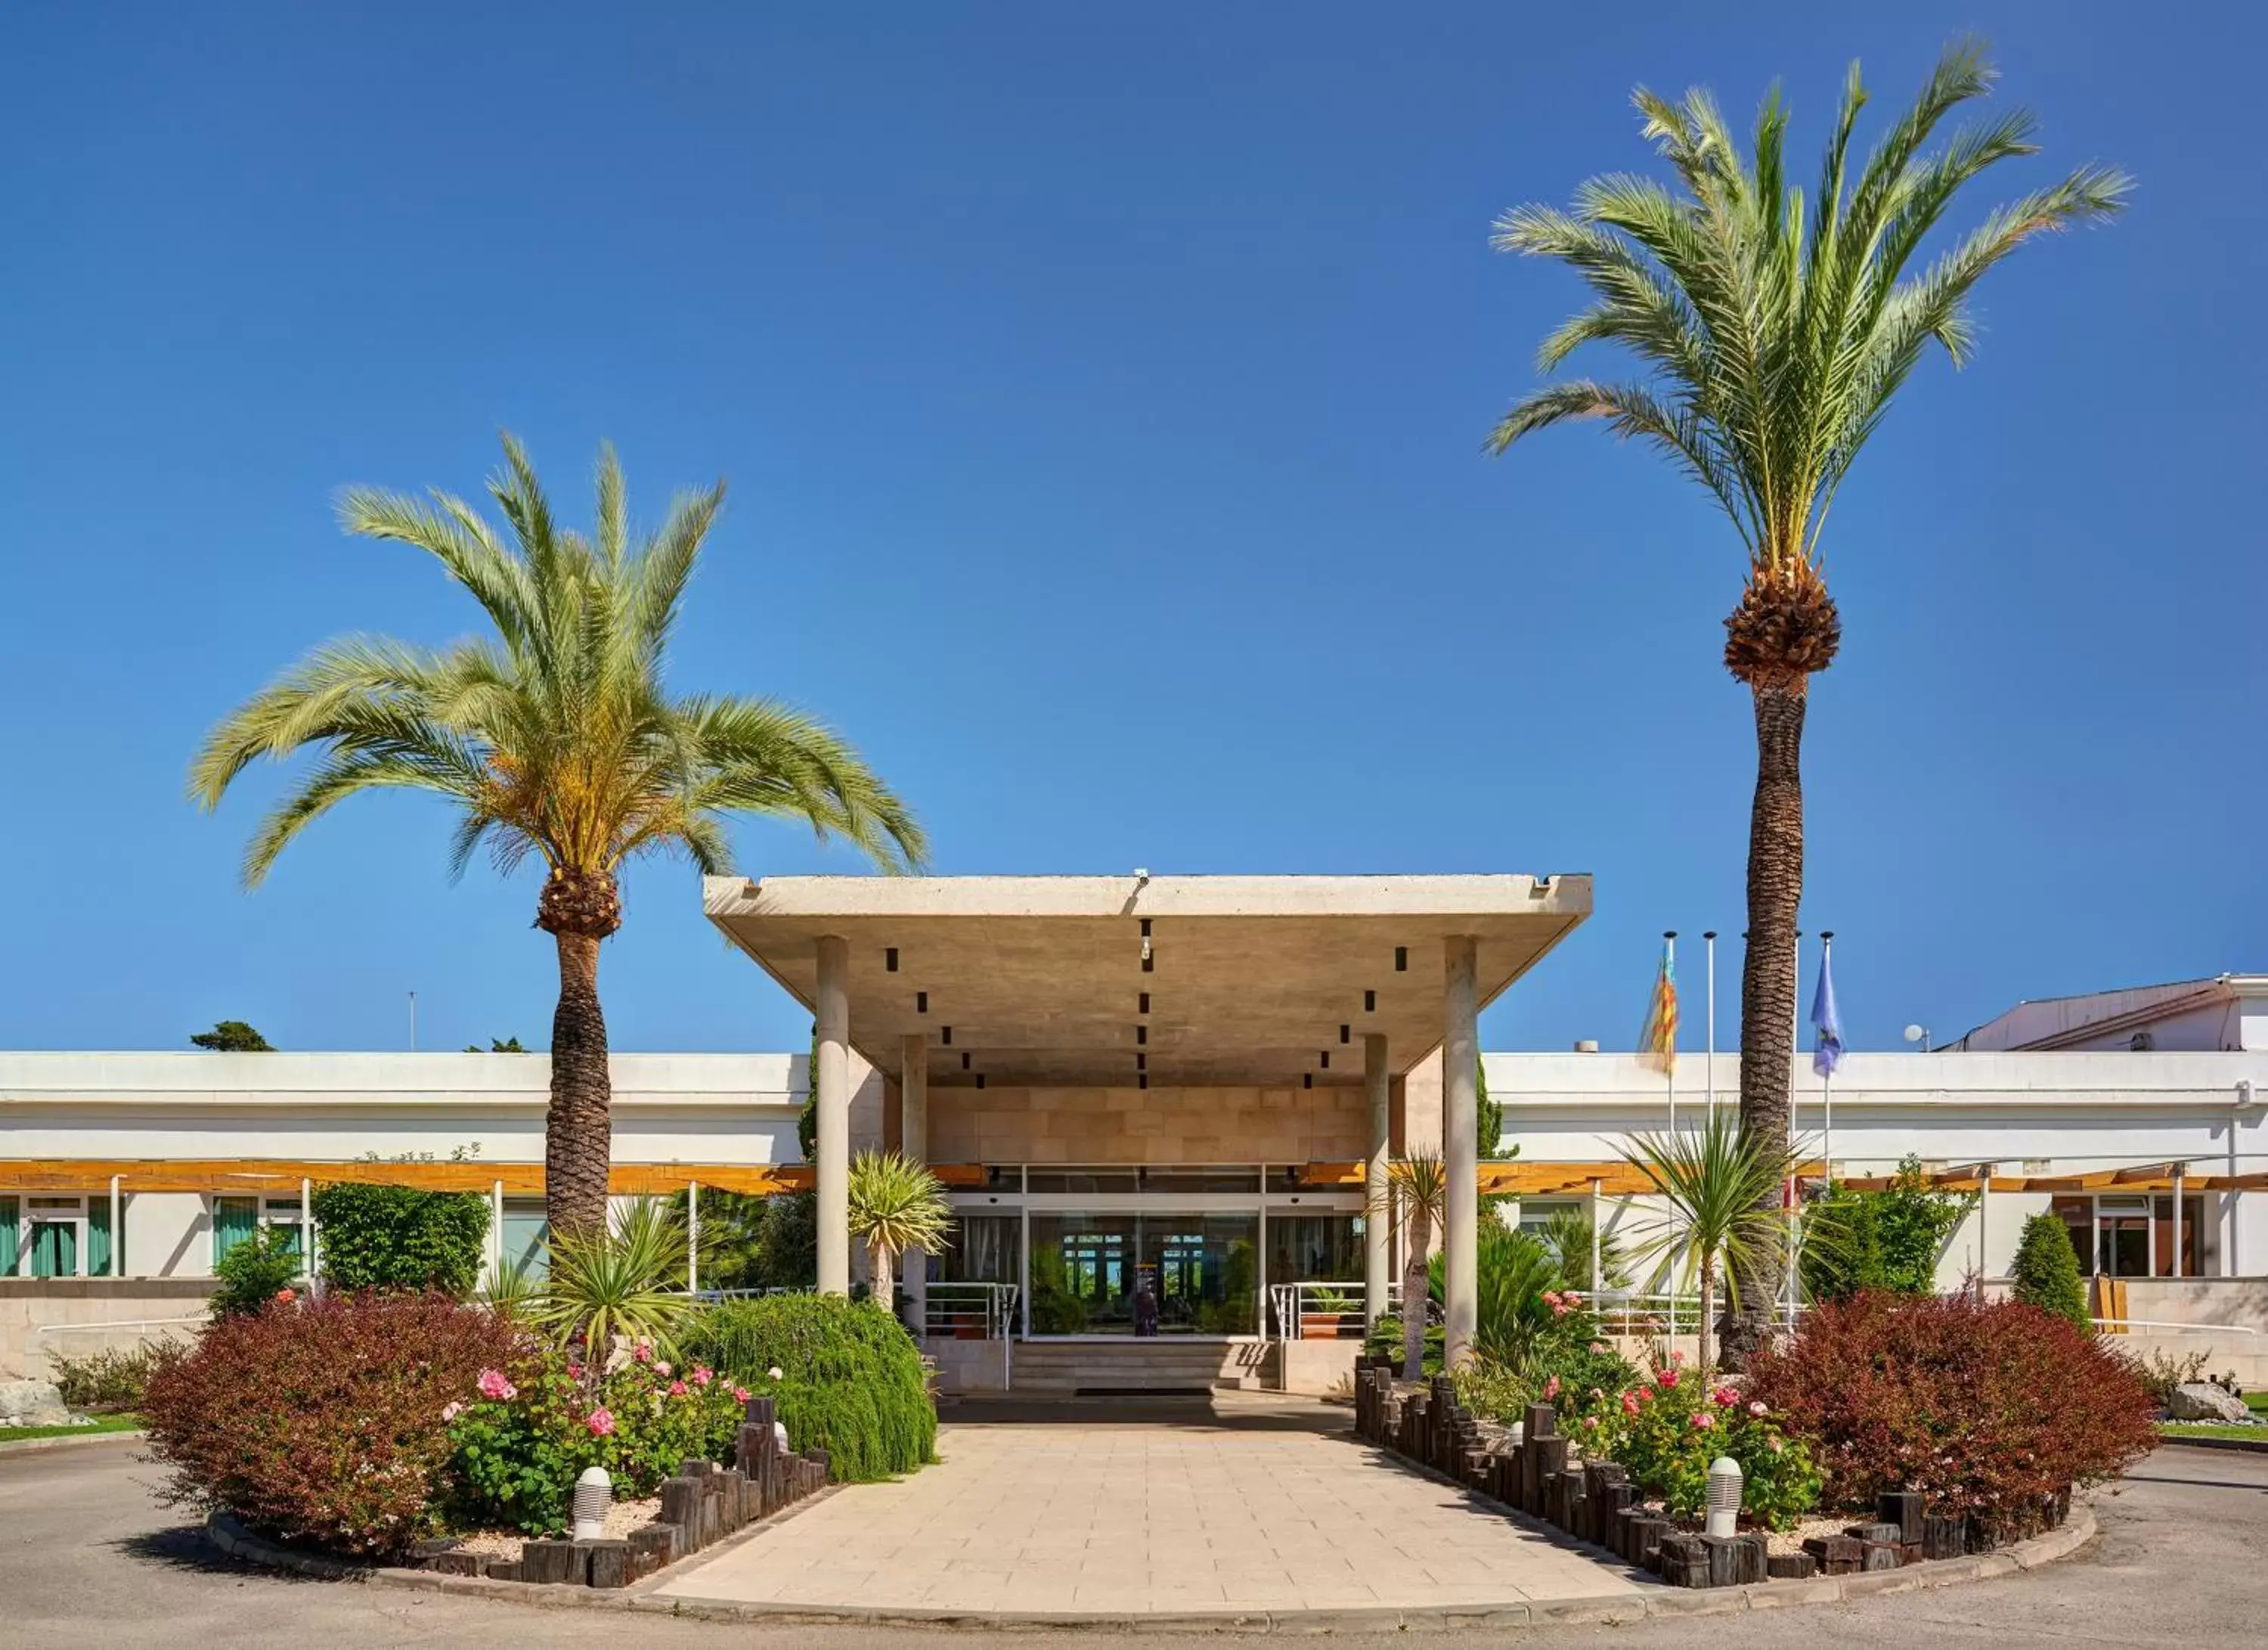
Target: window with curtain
98	1238
234	1220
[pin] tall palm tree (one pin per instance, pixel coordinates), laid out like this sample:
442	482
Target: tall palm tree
1416	1191
556	737
1721	1184
1772	334
897	1204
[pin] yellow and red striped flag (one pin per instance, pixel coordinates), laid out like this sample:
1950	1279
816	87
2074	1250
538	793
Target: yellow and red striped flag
1657	1043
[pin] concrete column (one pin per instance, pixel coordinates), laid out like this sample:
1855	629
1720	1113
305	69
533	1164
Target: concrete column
1459	1154
913	1131
831	1082
1377	1225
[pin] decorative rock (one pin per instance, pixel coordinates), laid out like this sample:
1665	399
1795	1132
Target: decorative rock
609	1561
552	1561
1790	1566
34	1404
2191	1401
1901	1507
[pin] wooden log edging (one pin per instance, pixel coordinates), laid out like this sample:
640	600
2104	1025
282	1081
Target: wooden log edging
1594	1503
703	1505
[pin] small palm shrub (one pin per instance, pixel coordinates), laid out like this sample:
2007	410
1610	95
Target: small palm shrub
1988	1409
400	1237
851	1377
2046	1272
897	1204
321	1420
628	1282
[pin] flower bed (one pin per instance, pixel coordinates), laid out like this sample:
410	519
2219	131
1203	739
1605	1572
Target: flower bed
1599	1500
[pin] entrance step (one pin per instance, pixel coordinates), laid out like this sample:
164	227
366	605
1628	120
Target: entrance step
1126	1365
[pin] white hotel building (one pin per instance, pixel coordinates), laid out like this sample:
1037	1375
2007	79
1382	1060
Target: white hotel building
1204	1143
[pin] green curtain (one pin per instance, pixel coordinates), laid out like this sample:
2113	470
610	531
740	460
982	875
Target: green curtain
7	1237
55	1249
234	1221
97	1238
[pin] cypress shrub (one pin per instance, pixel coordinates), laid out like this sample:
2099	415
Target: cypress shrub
399	1237
851	1377
2046	1272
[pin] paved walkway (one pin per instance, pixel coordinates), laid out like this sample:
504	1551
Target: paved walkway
1231	1506
88	1556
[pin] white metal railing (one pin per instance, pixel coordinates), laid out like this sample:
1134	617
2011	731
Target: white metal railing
122	1323
1640	1314
957	1311
1318	1311
2121	1325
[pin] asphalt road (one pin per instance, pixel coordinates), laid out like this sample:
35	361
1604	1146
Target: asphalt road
88	1556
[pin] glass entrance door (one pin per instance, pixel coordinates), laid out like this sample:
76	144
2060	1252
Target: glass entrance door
1127	1272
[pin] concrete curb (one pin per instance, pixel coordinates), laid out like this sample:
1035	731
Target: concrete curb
68	1441
1601	1610
2176	1440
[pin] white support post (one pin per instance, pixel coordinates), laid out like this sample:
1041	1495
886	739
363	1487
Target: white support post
117	1229
913	1136
1598	1242
1377	1225
692	1237
830	1083
496	1233
307	1226
1459	1149
1983	1228
2178	1167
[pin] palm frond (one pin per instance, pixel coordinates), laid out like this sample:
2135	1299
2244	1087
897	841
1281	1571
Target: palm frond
1776	328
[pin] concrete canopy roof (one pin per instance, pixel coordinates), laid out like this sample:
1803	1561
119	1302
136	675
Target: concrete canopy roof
1039	979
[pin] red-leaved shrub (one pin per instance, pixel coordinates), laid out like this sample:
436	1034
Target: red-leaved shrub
1987	1409
321	1421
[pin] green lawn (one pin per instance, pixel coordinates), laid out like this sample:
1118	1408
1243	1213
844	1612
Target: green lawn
102	1423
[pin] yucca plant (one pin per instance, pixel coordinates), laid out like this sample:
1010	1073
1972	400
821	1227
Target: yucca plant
515	1291
897	1204
1416	1191
1570	1234
1772	332
629	1281
1722	1186
556	737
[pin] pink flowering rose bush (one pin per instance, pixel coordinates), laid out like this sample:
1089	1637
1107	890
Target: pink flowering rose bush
523	1435
1668	1427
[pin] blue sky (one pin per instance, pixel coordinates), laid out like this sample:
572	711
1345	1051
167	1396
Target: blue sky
1101	393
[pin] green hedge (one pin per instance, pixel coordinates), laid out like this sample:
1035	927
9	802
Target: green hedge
398	1237
2046	1272
851	1380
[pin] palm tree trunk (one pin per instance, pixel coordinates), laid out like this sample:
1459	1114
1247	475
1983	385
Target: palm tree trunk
1768	984
1708	1305
884	1284
1413	1298
578	1132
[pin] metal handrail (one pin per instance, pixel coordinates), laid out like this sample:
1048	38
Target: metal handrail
949	1309
1293	1304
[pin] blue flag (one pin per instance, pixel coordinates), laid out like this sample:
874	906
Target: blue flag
1827	1046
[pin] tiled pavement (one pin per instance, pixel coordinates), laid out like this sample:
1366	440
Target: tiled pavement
1222	1510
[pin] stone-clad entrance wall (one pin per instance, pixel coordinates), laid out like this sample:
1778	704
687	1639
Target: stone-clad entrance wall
1156	1125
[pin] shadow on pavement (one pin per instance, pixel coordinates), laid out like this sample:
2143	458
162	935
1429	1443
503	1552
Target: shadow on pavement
1235	1412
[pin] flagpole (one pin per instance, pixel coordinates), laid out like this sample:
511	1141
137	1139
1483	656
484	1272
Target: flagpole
1826	1077
1709	938
1669	1064
1669	964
